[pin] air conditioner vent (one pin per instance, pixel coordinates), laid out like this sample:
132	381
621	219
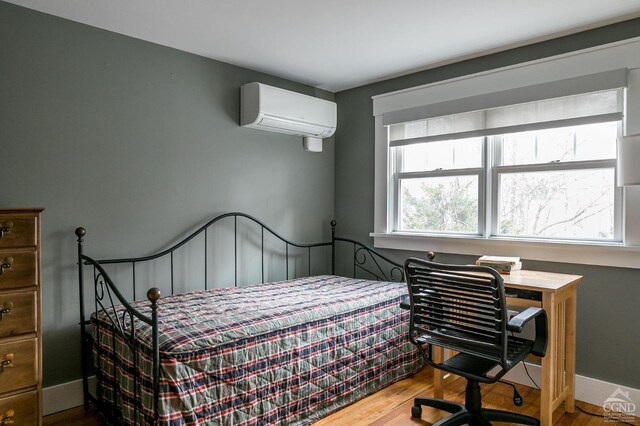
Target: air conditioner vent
277	110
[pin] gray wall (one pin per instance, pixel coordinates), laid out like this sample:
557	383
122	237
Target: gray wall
138	143
607	342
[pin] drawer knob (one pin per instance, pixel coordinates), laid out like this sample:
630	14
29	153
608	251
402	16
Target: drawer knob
5	309
5	228
7	362
6	265
7	418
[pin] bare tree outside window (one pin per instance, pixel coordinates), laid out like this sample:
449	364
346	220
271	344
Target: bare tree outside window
567	204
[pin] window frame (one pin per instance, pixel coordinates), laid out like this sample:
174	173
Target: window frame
619	55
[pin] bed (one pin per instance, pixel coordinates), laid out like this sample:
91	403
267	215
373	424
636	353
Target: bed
283	351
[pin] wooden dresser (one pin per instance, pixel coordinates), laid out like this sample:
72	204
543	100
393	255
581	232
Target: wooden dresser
20	330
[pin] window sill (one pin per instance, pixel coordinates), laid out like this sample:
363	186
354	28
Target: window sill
604	254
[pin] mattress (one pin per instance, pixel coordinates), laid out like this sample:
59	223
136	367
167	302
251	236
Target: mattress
288	352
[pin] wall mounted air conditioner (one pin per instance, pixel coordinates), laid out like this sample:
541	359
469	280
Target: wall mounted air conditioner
277	110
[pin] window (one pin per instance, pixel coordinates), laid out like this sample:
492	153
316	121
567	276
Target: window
439	186
537	170
558	183
548	124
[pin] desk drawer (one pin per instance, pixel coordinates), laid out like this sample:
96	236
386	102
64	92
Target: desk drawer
22	371
23	407
17	313
18	269
17	231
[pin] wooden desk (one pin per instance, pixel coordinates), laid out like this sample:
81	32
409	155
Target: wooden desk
558	294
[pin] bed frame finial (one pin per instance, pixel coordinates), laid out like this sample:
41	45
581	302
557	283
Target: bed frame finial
153	295
80	232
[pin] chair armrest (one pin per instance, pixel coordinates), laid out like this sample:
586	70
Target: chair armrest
517	323
405	304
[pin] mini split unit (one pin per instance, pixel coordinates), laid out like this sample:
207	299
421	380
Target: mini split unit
277	110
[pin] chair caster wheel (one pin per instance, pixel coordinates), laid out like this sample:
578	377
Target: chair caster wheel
416	411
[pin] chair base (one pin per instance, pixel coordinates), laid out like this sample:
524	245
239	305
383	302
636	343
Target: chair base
470	412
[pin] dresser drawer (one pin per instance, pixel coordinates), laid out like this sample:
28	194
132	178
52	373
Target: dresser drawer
23	408
18	269
17	231
17	313
22	370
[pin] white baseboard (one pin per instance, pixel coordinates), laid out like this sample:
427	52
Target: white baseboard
68	395
592	391
64	396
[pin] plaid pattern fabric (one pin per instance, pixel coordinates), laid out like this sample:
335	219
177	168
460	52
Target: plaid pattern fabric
287	352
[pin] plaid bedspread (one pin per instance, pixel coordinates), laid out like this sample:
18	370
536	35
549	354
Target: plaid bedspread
287	352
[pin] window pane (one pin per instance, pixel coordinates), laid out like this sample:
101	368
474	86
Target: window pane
576	143
563	204
445	204
457	154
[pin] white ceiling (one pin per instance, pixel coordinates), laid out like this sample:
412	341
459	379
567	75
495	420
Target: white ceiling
339	44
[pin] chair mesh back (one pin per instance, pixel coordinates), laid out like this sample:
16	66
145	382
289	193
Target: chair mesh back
460	307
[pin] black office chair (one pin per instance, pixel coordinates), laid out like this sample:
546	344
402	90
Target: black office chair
463	308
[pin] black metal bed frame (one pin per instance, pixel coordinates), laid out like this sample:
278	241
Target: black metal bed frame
106	295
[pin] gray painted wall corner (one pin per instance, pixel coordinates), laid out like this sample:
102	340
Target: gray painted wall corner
607	297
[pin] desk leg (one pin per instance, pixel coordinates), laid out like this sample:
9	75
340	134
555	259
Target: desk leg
570	351
549	361
438	375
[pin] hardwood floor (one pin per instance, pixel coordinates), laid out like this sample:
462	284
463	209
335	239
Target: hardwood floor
392	406
74	417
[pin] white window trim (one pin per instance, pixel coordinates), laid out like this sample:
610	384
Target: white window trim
624	54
